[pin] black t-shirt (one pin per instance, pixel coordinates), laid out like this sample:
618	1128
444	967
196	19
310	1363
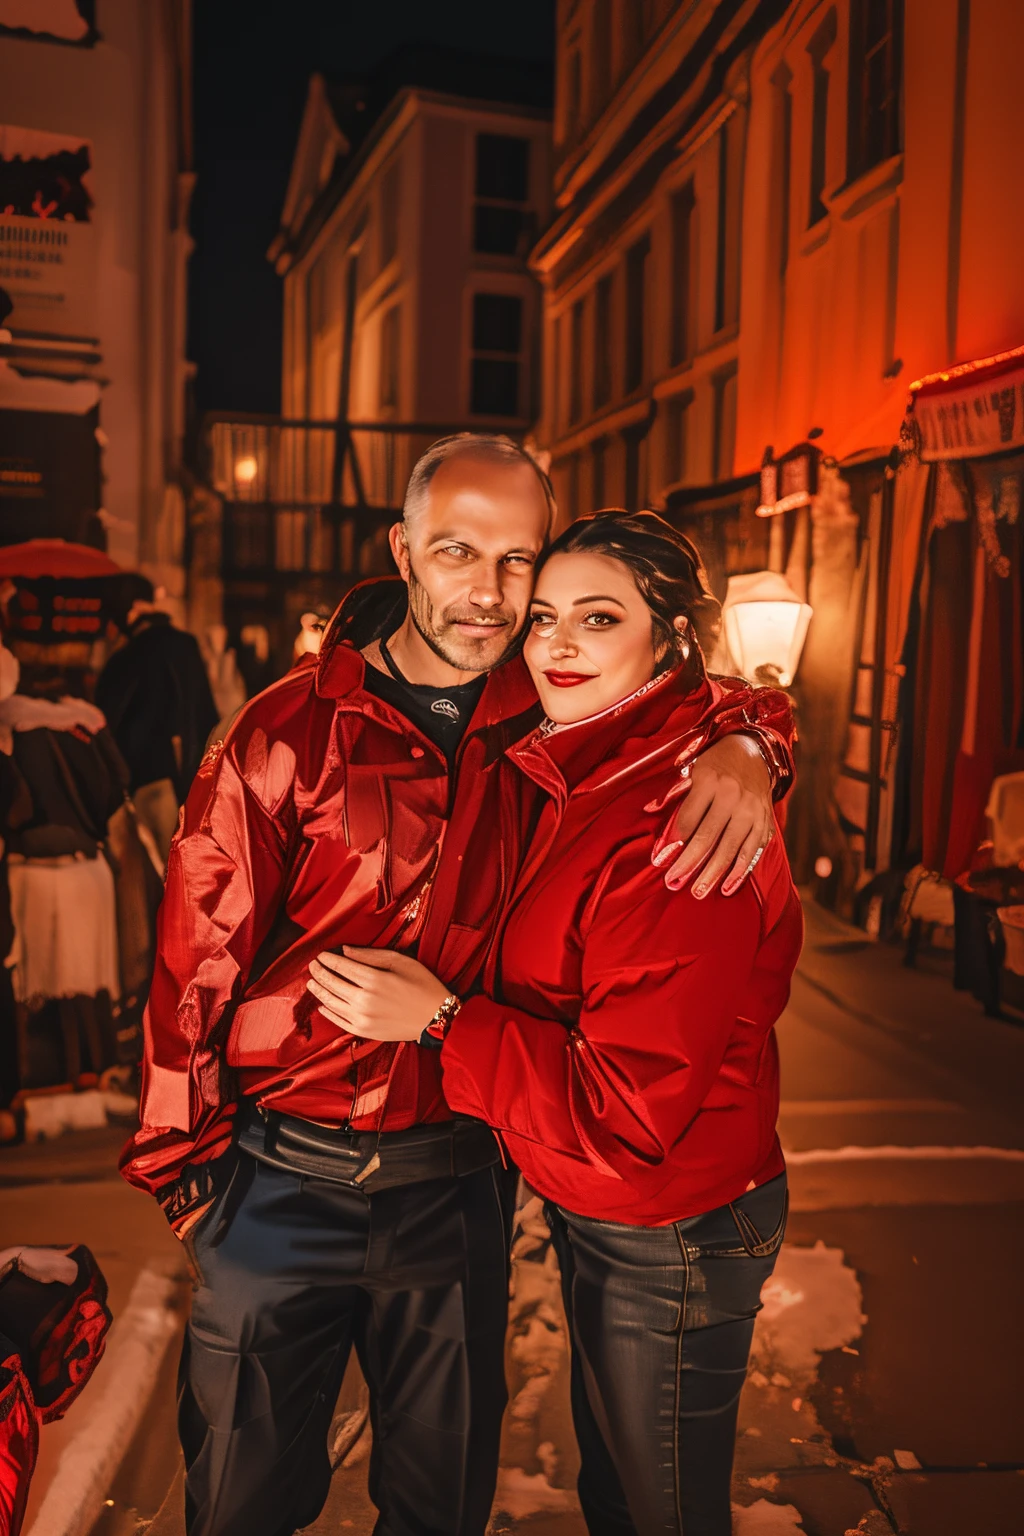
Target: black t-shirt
442	714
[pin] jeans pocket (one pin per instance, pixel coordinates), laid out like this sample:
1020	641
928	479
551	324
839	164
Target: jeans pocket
760	1217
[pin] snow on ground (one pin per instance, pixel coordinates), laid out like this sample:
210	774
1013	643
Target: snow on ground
811	1304
764	1519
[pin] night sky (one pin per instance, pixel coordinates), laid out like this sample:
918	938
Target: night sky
253	60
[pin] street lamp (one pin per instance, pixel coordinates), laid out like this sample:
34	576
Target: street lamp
765	627
246	470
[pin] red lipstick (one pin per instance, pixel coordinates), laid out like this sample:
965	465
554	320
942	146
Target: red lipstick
568	679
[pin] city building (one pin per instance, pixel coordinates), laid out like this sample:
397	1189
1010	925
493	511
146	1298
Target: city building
774	225
409	311
95	183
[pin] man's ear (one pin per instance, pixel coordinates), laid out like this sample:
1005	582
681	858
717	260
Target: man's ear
399	548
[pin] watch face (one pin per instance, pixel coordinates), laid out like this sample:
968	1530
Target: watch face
445	707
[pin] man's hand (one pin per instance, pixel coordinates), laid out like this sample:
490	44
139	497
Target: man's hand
724	823
376	993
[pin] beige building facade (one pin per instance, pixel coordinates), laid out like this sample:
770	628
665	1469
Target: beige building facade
97	274
771	221
409	311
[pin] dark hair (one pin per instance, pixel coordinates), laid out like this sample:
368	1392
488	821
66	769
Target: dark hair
666	567
123	592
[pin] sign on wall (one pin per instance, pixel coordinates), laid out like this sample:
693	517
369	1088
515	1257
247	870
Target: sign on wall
970	411
47	256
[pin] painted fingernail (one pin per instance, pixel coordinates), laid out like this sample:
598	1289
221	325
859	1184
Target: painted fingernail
700	891
668	852
673	882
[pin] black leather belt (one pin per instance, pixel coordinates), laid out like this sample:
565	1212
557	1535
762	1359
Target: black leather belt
366	1160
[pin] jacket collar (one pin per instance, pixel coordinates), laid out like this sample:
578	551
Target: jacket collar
594	752
376	608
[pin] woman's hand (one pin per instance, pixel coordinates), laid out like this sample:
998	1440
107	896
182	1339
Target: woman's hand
724	822
376	993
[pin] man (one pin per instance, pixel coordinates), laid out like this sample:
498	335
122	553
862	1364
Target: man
327	1194
156	696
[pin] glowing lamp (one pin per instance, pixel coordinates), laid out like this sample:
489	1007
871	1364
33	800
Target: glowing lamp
765	627
246	470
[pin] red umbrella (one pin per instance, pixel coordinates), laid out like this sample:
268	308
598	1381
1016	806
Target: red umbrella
54	557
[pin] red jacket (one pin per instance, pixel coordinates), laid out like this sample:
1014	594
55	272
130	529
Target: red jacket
52	1338
327	818
630	1064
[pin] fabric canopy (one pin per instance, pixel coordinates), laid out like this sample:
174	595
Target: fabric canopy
55	557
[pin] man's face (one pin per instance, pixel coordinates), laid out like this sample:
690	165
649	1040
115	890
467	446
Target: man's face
470	556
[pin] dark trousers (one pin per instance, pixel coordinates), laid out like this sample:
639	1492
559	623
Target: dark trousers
294	1271
661	1320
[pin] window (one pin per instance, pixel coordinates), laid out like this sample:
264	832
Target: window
601	57
603	341
723	446
497	341
636	319
576	362
818	50
573	96
501	219
390	356
599	472
290	541
634	22
573	486
389	205
730	200
682	273
782	79
676	411
635	442
876	83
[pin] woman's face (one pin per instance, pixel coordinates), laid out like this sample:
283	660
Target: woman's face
590	641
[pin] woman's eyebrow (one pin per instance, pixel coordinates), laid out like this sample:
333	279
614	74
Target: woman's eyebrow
598	597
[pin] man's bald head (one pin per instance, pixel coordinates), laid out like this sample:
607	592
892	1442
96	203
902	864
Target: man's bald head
477	515
485	447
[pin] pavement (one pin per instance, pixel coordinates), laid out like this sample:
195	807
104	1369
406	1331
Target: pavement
883	1392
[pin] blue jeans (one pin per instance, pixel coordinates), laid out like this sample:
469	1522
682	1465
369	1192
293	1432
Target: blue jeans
661	1320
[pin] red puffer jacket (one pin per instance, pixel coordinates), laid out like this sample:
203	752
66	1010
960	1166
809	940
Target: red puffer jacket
328	818
630	1064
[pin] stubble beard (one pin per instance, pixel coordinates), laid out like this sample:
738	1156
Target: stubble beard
465	654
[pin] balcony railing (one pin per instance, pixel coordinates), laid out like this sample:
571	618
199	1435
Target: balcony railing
313	497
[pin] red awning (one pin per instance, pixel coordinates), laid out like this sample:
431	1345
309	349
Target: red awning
55	557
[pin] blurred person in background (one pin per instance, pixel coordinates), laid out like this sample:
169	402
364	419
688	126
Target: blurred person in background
65	968
155	694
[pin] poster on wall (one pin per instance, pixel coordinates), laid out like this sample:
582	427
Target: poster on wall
59	21
47	254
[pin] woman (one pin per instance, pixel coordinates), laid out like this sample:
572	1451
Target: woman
65	957
624	1046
